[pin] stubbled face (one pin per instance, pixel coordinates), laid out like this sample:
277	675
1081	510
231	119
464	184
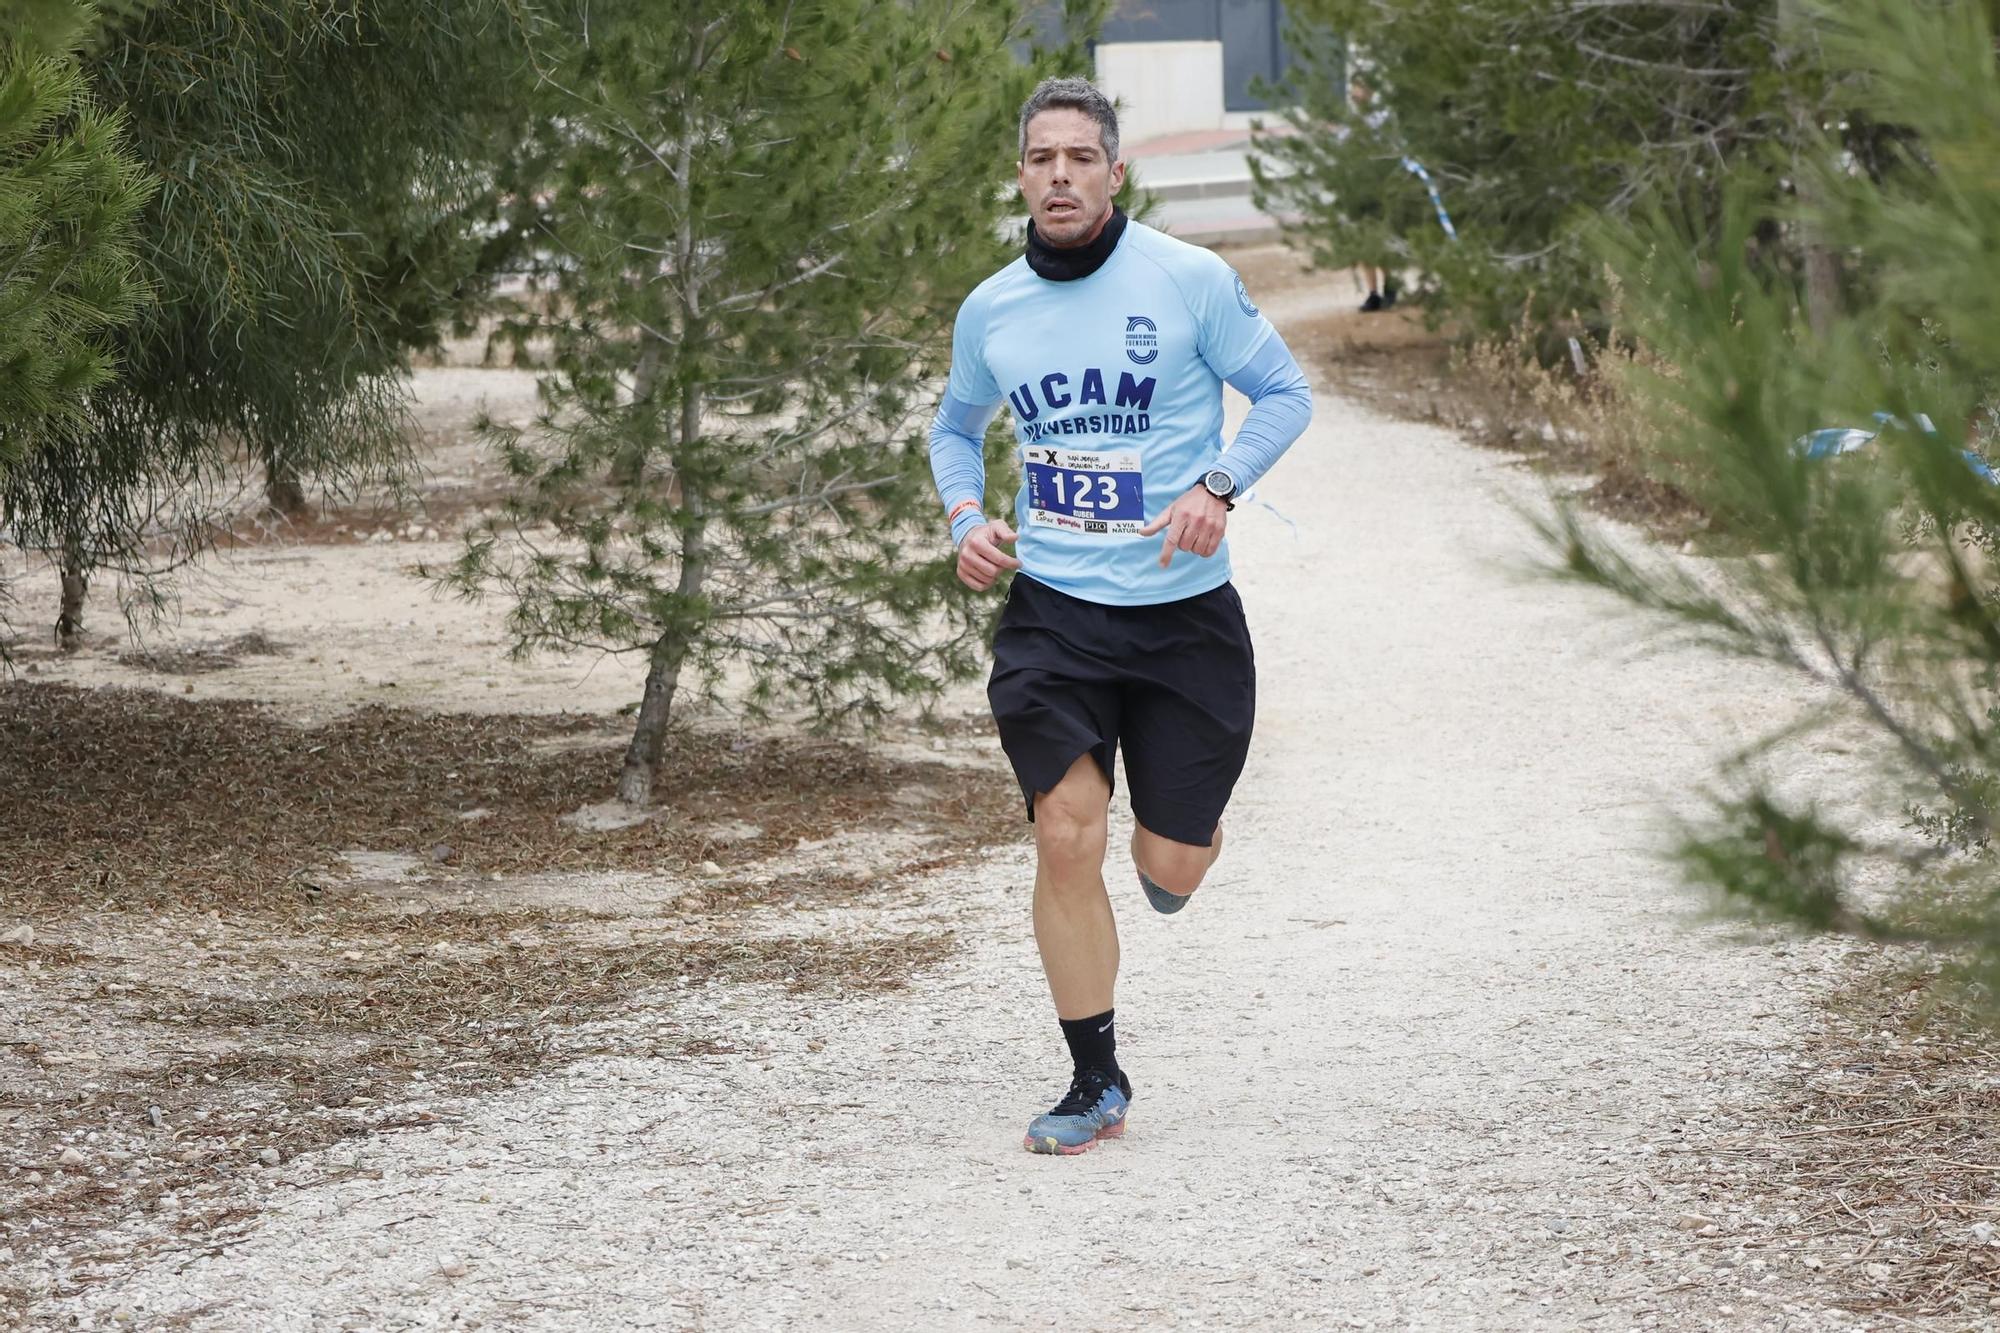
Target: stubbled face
1065	178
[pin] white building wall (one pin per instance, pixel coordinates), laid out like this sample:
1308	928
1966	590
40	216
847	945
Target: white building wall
1162	87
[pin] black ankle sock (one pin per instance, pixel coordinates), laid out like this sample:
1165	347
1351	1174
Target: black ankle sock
1093	1042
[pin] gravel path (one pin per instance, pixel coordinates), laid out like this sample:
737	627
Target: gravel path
1409	1061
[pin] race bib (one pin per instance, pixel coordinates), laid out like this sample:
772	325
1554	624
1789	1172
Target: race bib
1085	492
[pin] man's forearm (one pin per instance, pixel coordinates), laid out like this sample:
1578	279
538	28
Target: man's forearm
958	463
1280	408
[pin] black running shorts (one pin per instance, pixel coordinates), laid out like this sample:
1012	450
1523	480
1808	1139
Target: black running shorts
1176	682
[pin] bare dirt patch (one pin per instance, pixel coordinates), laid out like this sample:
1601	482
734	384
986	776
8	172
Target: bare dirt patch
440	1010
248	939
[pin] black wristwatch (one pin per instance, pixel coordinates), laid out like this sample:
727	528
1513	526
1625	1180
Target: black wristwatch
1221	485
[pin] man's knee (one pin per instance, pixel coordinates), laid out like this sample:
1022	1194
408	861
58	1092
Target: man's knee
1070	821
1068	834
1177	867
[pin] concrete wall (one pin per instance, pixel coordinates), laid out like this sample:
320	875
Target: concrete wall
1162	87
1250	32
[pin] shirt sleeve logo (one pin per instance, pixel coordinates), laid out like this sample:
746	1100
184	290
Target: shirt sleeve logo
1142	339
1243	296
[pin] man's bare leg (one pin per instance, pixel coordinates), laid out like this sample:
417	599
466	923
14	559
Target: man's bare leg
1078	938
1074	928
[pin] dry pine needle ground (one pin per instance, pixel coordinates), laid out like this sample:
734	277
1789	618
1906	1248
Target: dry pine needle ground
133	798
1878	1170
201	991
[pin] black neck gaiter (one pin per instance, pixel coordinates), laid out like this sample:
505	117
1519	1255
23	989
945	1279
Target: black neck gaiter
1080	261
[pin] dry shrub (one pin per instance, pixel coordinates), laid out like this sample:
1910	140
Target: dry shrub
1570	408
1566	397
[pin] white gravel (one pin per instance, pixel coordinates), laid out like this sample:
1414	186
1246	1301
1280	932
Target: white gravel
1407	1062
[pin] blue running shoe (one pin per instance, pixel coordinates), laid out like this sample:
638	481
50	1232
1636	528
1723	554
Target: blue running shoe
1094	1108
1162	900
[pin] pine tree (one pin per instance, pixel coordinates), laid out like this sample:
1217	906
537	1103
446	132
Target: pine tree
50	27
761	218
321	171
70	194
1535	121
1874	572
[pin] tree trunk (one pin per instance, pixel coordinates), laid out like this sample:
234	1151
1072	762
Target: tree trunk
282	491
1822	264
630	465
75	586
1822	280
649	736
663	676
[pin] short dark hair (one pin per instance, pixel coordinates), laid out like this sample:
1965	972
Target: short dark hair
1076	95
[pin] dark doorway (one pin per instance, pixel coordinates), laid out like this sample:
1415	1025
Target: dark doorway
1253	48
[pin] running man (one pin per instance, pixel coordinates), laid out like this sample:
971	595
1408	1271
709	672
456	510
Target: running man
1111	342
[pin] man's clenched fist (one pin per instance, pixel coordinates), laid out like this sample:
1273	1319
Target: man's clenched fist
980	559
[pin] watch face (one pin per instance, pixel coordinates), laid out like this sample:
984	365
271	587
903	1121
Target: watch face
1219	483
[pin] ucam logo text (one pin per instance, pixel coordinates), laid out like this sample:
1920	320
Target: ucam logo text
1056	393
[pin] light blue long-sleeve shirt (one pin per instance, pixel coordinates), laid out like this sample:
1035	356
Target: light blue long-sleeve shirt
1115	385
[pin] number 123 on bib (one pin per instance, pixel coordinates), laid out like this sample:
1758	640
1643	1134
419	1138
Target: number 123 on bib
1085	492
